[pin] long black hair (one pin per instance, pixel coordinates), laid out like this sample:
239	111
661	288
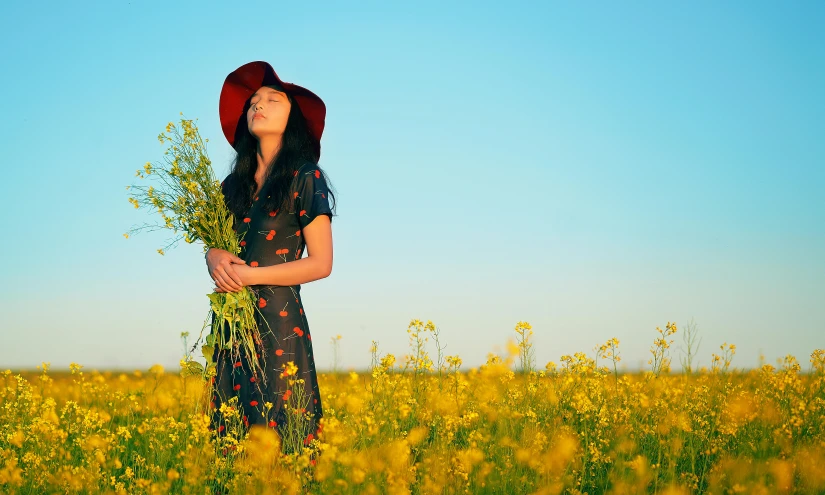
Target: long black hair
297	148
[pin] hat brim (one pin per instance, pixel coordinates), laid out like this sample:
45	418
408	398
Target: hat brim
244	81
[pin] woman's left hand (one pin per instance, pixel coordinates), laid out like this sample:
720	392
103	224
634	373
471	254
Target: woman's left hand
244	272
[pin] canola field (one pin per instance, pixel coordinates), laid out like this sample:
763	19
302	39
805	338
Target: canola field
421	424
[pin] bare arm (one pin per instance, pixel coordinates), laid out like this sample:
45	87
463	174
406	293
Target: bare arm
317	264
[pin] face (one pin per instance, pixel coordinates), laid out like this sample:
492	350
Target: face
268	112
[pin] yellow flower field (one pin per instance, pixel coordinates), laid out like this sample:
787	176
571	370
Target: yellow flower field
425	427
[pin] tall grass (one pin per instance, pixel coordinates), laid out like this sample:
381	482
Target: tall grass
412	425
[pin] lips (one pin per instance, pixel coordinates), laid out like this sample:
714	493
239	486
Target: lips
258	116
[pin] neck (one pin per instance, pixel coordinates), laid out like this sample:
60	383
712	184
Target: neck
267	149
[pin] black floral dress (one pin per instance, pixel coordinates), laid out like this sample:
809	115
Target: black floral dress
270	238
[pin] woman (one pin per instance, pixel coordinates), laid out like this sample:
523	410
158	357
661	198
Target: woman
279	197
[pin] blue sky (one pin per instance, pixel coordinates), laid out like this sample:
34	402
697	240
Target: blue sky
595	169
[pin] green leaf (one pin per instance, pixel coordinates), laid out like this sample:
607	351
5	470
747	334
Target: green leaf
191	368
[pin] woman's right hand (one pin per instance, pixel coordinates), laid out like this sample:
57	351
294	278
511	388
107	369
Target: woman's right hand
219	262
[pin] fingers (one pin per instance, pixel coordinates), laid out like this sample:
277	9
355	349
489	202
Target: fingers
224	276
218	289
232	279
233	275
225	282
218	281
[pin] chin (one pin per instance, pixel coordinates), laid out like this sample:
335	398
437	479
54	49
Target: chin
257	130
261	127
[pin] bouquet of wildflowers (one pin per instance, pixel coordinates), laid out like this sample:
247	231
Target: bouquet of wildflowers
189	198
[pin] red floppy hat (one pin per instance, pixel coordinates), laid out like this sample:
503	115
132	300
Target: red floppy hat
242	83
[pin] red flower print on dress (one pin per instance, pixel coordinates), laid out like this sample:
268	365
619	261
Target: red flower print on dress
309	439
221	428
238	364
310	200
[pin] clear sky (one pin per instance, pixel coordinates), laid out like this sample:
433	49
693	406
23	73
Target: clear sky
594	168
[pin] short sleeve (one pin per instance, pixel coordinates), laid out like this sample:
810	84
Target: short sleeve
311	195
